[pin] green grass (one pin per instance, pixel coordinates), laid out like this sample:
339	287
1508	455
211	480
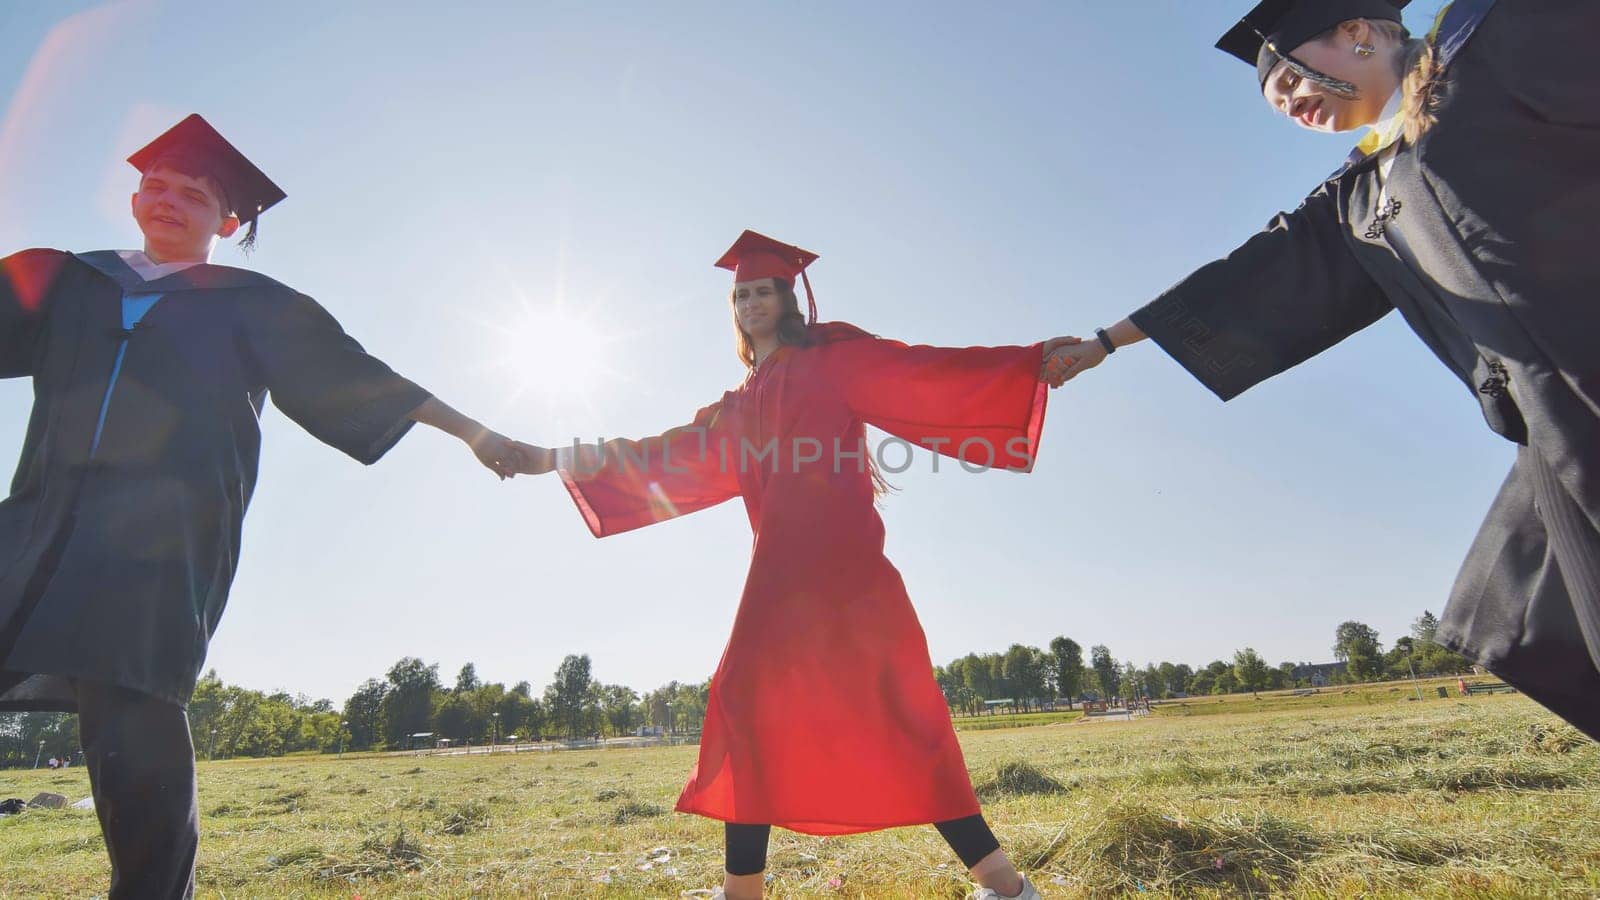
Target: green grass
1487	797
1015	720
1368	695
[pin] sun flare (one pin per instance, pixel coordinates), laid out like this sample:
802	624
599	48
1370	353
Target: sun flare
555	352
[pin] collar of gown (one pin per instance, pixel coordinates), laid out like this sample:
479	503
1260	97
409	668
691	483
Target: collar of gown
1387	129
150	270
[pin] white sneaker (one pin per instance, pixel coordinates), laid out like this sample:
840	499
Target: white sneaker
1029	892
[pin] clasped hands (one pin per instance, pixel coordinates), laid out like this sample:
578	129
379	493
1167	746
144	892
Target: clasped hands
509	458
1067	357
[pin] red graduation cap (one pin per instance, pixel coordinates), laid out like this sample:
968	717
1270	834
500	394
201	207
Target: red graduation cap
755	256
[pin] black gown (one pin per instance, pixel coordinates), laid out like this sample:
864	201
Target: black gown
115	566
1500	212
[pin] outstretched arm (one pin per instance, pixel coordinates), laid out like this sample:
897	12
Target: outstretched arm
1288	293
329	385
620	485
983	405
497	452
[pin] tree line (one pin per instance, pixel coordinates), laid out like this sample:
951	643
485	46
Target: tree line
1027	678
388	713
411	700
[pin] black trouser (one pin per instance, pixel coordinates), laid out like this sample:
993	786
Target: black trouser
141	772
746	853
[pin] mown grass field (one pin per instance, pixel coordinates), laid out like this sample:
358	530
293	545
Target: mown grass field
1015	720
1487	797
1305	700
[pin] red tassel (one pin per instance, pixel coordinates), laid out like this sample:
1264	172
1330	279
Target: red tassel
811	302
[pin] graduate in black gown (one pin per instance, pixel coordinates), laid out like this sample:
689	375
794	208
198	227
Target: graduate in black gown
1473	208
121	534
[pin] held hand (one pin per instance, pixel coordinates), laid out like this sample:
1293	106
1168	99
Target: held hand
497	452
1057	343
534	460
1055	361
1070	360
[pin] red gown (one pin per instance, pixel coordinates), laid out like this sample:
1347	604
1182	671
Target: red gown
823	716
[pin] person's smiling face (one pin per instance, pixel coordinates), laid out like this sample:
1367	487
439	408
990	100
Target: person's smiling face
1314	106
756	307
180	214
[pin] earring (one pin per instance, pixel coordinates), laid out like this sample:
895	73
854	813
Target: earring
1365	49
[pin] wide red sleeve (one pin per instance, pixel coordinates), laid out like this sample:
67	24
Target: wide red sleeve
623	484
982	405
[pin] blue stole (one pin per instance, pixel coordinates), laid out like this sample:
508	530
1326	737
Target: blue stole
139	295
134	307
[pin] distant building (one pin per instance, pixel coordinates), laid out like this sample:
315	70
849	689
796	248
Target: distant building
1319	675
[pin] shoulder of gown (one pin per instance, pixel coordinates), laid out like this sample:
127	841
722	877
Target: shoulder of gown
30	273
823	333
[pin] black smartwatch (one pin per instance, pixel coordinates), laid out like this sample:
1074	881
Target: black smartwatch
1105	341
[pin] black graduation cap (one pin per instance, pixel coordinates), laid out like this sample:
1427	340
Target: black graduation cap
1267	33
250	192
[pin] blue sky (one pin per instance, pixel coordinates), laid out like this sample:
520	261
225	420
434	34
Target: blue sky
969	174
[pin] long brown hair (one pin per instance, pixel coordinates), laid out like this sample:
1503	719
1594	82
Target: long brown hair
792	331
1422	83
1416	61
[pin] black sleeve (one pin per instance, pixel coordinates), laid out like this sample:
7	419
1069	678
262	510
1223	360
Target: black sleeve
1287	294
322	379
26	281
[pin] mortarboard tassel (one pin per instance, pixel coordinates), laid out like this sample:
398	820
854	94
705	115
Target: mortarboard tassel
811	302
1343	89
248	242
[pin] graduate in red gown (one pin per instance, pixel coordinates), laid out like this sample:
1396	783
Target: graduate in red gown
824	716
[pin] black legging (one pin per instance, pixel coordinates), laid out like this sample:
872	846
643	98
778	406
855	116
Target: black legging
970	837
141	770
141	773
